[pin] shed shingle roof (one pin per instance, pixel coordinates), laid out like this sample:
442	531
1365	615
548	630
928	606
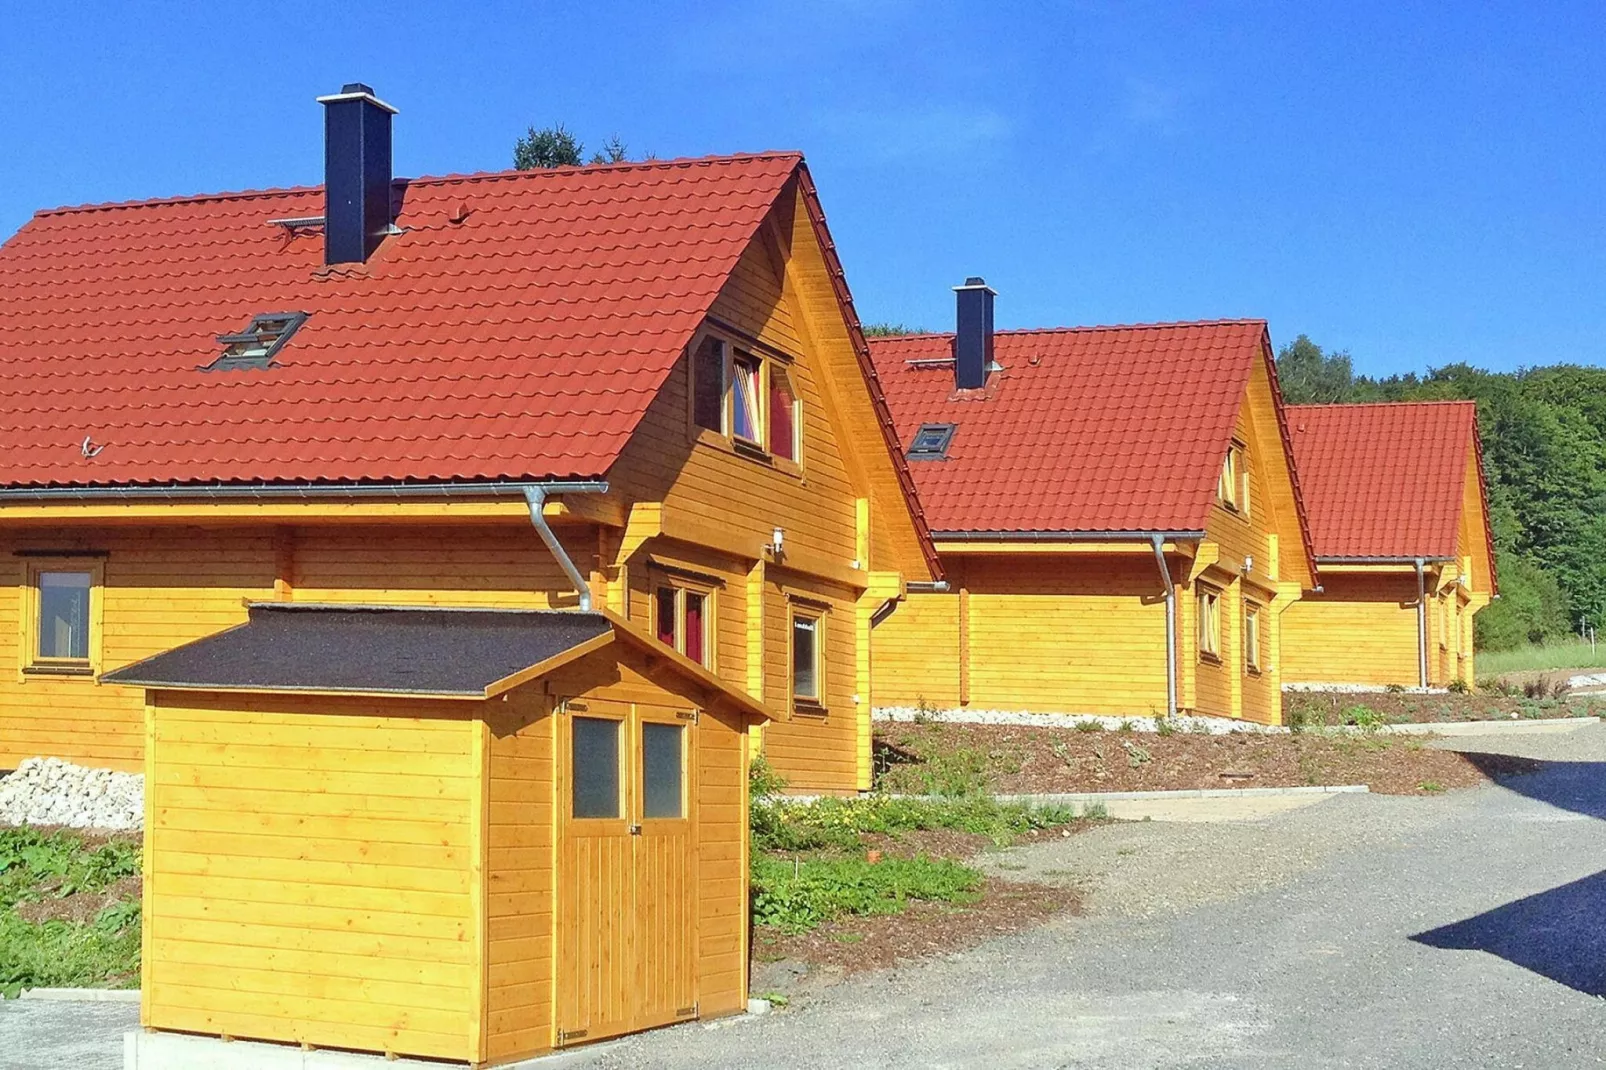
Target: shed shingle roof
369	650
524	342
1384	480
1097	429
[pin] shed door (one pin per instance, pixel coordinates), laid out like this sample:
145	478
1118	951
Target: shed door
625	883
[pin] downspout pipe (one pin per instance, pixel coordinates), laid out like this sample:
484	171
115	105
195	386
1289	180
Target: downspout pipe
535	495
1421	621
1158	542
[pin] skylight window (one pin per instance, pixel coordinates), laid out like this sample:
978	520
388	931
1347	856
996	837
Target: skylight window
255	346
930	443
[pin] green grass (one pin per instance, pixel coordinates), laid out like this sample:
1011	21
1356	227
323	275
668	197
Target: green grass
836	824
1573	654
35	866
796	895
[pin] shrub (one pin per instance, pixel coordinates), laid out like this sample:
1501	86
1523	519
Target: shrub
34	864
796	896
1090	726
1361	717
1458	686
1164	726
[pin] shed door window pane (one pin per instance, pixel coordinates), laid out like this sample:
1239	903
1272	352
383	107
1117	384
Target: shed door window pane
744	398
596	767
806	658
708	384
665	608
783	416
662	769
694	627
64	615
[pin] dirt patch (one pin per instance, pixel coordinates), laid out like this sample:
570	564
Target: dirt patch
1027	760
81	907
1333	708
855	944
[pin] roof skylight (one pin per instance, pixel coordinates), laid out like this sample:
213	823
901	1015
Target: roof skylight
930	442
255	346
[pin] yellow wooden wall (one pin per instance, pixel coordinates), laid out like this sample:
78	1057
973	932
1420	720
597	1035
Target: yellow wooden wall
1360	630
813	751
311	872
168	586
1047	633
519	841
697	474
161	590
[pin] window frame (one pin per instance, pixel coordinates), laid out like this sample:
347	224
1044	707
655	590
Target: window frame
1254	663
943	432
31	662
681	588
1232	486
766	362
806	611
1209	613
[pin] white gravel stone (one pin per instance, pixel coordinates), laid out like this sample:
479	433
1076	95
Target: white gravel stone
49	791
1215	726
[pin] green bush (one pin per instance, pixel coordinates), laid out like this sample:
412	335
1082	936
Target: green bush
796	896
1362	717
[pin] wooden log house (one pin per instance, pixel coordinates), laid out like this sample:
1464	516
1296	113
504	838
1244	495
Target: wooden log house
1400	520
641	387
1117	516
512	465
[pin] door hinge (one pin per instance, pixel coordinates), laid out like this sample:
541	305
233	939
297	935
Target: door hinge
566	1035
688	715
687	1012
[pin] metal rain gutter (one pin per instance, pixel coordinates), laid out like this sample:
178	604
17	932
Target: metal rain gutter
535	495
1421	623
1158	542
1067	536
286	491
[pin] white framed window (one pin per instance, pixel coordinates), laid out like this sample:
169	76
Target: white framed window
747	418
1232	489
1209	623
1252	617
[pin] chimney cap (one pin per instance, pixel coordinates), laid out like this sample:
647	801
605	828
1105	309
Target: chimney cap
976	282
356	91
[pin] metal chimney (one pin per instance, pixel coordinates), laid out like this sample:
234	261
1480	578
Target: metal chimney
973	336
356	173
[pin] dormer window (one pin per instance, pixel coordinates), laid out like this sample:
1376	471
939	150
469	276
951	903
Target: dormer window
930	443
255	346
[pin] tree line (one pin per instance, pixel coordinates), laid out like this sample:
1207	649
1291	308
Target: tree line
1544	453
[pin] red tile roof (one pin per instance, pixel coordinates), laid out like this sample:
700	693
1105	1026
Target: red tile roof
1385	480
524	342
1087	429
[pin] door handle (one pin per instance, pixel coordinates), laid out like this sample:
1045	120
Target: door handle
635	830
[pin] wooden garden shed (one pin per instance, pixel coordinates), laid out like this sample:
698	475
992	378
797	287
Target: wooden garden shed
472	835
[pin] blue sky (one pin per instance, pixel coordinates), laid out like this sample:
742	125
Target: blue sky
1412	184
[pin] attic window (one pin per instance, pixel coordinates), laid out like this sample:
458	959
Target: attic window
931	442
255	346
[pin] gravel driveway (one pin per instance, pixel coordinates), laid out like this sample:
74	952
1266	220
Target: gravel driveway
1466	930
